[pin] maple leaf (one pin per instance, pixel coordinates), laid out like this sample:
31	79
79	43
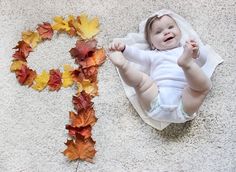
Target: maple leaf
80	148
86	132
25	75
60	24
17	64
45	30
31	38
87	86
73	24
81	102
67	78
83	49
87	28
84	118
54	82
23	51
96	59
41	81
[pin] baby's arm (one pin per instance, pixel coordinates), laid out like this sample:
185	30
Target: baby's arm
131	53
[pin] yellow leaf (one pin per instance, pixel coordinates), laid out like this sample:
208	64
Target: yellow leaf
73	21
67	79
31	38
60	24
41	81
87	29
16	65
88	87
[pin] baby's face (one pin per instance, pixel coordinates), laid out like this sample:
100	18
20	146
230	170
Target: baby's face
165	34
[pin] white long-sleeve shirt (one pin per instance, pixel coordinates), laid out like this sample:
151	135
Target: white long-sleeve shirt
163	69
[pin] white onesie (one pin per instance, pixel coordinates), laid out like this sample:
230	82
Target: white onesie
170	79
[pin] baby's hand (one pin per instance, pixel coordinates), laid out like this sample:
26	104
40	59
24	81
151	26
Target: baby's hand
192	48
117	46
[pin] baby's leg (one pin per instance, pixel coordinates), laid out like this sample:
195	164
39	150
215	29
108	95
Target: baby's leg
144	86
198	83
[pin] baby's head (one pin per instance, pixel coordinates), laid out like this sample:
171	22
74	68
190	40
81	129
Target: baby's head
162	33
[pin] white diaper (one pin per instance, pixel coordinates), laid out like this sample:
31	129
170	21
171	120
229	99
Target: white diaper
168	113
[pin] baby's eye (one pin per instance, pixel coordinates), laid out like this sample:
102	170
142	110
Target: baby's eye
157	32
171	27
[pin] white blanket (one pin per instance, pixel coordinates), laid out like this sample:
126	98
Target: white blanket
138	40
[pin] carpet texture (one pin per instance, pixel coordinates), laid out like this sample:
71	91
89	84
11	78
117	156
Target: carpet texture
32	124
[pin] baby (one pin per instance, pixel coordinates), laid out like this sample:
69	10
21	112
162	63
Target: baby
176	86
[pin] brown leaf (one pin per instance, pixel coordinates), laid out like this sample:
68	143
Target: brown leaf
82	102
83	50
45	30
25	75
81	148
55	81
87	73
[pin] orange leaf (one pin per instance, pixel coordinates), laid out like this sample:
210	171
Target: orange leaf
82	102
96	59
84	118
80	148
83	50
25	75
23	51
84	131
54	82
45	30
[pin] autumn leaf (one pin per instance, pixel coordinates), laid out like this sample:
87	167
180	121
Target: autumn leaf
17	64
82	101
96	59
86	132
31	38
83	118
88	86
83	50
60	24
41	81
23	51
67	77
45	30
81	148
25	75
54	82
87	28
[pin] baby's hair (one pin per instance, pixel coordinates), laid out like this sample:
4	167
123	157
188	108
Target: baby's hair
148	28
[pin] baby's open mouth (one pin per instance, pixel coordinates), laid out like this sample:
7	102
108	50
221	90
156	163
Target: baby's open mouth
169	38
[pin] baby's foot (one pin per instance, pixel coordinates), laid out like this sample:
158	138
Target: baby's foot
186	59
117	59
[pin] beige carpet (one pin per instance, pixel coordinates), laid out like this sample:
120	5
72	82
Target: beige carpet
32	133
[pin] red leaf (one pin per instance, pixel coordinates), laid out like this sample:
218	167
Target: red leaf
45	30
23	51
83	50
82	102
55	81
25	75
84	131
